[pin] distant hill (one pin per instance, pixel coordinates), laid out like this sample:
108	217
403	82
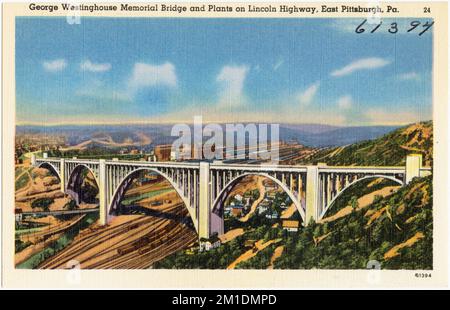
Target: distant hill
115	136
103	136
388	150
315	136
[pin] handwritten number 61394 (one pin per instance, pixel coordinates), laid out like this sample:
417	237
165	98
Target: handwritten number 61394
393	27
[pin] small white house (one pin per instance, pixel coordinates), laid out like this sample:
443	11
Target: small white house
18	217
207	245
238	197
290	225
227	210
262	208
272	215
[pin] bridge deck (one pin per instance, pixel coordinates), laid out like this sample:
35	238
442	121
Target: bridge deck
237	166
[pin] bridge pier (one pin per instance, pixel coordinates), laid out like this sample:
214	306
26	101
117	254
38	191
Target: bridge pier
102	190
62	173
204	213
312	194
413	166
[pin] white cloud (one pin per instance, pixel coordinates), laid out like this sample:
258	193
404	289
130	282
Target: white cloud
232	79
308	94
278	64
361	64
409	76
55	65
345	102
146	75
95	67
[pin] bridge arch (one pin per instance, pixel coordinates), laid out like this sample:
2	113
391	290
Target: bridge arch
376	176
78	169
72	180
119	192
52	168
236	180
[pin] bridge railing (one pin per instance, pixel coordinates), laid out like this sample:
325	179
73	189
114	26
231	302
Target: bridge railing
221	165
249	167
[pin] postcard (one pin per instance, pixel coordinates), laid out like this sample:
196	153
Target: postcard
225	145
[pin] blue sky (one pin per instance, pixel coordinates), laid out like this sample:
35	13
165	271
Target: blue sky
107	70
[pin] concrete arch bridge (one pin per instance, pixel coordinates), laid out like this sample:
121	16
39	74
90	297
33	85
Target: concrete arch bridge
204	186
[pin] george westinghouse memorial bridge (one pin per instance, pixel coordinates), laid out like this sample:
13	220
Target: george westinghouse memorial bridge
204	186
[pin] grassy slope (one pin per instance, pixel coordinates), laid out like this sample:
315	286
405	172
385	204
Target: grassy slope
388	150
351	243
354	239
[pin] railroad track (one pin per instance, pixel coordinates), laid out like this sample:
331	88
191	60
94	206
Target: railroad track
44	234
144	261
88	242
152	239
118	259
117	256
137	257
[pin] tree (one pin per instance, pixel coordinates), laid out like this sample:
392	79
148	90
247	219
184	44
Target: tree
43	203
354	202
377	199
71	205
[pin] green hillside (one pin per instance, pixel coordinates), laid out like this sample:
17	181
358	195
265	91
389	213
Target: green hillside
388	150
396	230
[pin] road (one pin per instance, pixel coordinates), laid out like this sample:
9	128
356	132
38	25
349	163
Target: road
60	212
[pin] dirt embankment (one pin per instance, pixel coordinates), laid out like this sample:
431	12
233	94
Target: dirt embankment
259	246
287	213
276	254
363	202
231	234
408	243
42	184
246	184
255	204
